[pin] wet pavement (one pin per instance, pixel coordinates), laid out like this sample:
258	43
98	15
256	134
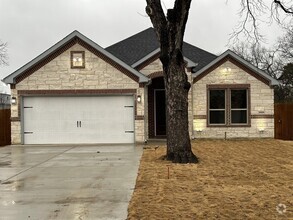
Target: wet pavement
67	182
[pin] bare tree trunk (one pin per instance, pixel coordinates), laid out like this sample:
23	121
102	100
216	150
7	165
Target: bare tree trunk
170	32
178	140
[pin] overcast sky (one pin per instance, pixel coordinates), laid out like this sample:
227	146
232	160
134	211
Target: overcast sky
32	26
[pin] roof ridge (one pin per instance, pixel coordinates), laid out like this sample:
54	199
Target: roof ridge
138	47
191	45
128	38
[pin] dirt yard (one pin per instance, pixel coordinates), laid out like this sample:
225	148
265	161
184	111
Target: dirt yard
234	180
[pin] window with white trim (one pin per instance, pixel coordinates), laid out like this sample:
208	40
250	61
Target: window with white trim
228	106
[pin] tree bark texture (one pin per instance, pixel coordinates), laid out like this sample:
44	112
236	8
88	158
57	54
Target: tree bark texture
170	30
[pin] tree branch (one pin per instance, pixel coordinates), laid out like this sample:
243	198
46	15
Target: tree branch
169	28
285	9
250	13
155	12
182	8
3	54
253	11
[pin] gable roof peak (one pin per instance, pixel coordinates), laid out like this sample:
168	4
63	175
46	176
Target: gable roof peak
140	47
232	55
11	79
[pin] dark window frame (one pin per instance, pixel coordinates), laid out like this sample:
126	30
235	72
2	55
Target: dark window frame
218	109
228	109
83	59
231	109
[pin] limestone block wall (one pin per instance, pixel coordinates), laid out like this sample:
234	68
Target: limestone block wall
139	131
15	124
15	132
261	105
155	66
235	132
58	75
140	116
14	107
140	105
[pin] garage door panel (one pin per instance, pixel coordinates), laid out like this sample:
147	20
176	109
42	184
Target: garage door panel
127	114
104	119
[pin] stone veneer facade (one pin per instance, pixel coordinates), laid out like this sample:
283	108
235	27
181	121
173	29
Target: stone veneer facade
261	105
58	75
100	75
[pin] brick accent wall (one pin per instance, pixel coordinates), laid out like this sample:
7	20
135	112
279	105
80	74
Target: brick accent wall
58	75
261	99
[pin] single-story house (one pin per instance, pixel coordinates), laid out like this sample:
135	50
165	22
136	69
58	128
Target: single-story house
78	92
4	96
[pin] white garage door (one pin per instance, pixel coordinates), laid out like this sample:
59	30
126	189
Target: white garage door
64	120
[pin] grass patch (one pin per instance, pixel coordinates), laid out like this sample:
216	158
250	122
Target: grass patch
235	179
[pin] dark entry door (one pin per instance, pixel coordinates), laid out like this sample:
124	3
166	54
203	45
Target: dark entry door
284	121
160	112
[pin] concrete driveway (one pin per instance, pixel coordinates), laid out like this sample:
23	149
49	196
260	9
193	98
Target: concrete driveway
67	182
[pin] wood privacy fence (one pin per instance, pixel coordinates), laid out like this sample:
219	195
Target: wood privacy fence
284	121
5	127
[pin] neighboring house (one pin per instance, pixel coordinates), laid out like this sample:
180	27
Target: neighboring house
4	96
78	92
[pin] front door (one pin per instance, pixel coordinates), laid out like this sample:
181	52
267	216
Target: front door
160	112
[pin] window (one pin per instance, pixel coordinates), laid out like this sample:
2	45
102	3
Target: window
217	107
228	105
239	106
77	59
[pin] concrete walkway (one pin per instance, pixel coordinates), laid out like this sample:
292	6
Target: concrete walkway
67	182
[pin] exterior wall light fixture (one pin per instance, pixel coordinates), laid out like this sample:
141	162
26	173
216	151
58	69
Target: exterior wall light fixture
138	99
13	100
227	69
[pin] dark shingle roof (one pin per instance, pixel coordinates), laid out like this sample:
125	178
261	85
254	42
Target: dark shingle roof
135	47
143	43
197	55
